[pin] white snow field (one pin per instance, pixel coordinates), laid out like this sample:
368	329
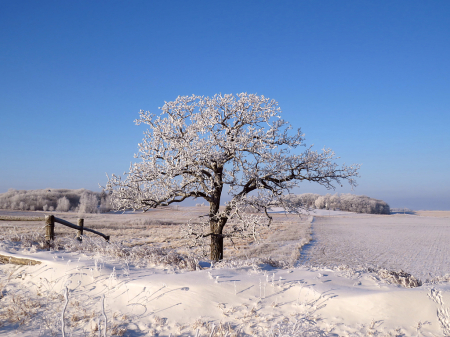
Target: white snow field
328	292
419	245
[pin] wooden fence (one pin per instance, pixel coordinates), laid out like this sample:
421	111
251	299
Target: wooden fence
50	228
50	221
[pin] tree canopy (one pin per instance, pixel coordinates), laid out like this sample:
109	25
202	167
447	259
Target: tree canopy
197	145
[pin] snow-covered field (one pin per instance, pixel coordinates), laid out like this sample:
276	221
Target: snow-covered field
419	245
329	291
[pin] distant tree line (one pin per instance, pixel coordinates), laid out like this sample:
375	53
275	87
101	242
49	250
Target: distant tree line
402	210
343	202
86	201
60	200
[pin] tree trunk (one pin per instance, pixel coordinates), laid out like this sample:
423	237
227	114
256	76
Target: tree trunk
216	247
216	227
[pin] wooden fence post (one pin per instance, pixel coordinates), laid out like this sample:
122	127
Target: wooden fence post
80	223
49	228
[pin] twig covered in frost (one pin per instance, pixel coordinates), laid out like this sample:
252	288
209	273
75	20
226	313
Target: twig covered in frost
66	297
302	326
104	314
260	290
212	330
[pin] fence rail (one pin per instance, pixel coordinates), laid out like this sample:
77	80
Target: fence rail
50	228
50	221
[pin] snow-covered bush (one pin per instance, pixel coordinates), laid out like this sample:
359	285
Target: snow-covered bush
105	203
88	203
399	277
320	202
343	202
63	205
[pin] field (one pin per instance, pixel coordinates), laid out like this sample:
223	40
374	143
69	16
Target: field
162	228
321	274
415	244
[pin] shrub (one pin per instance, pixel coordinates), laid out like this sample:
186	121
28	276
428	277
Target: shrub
63	205
88	203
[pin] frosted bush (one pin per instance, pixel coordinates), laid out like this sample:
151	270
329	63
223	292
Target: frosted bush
63	205
320	202
105	203
399	277
334	202
88	203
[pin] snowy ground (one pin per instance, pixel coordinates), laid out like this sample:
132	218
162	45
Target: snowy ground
418	245
329	292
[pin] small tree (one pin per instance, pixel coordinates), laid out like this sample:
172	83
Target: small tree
88	203
63	205
200	144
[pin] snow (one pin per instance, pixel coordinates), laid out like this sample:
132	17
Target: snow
415	244
342	299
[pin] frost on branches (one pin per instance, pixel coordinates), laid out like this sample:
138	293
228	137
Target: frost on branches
197	145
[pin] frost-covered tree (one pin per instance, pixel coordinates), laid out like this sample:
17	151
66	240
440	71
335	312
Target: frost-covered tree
105	202
197	145
88	203
63	205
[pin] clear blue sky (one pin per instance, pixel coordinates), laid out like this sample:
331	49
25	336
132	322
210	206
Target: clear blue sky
369	79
